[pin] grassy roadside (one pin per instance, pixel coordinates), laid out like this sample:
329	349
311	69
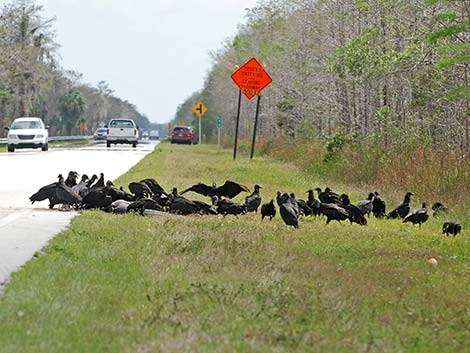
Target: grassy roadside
214	284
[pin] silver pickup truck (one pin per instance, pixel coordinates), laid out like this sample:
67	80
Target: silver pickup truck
121	131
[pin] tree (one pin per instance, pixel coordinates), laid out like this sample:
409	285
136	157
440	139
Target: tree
29	55
73	106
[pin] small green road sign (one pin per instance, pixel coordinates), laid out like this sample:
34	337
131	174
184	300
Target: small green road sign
219	122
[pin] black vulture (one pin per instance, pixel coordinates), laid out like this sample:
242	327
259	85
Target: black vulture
453	228
154	186
328	196
333	212
289	214
439	209
253	201
140	190
118	194
289	209
180	205
71	179
403	209
46	192
366	206
418	216
313	203
268	210
99	183
230	189
226	207
97	198
177	203
378	206
58	194
355	213
144	204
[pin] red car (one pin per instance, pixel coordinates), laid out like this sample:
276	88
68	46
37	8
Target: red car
182	134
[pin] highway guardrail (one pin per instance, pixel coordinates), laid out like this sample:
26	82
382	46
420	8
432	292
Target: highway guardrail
58	138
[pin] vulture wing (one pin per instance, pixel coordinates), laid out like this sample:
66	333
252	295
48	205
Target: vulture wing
400	212
202	189
65	195
230	189
365	206
140	189
154	186
46	192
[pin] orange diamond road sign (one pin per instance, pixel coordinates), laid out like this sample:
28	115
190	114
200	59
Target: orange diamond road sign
199	109
251	78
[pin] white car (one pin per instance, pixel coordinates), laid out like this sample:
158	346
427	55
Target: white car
27	133
122	131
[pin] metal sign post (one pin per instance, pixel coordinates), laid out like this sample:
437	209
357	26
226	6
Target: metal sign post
200	131
200	109
254	129
237	124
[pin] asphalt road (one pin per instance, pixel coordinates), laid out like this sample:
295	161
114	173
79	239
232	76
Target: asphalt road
26	228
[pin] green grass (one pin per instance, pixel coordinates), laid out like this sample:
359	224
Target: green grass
225	284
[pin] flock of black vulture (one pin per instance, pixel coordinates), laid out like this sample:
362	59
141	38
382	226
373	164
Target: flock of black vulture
148	197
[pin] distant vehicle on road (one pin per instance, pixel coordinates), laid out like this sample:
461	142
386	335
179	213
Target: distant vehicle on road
154	135
122	131
145	135
28	132
100	134
182	134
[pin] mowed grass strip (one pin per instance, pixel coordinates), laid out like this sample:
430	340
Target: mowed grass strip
114	283
3	148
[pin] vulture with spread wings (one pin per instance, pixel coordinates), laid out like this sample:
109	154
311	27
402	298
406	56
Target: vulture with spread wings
230	189
57	193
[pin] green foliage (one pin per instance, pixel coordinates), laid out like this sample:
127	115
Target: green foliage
461	59
459	92
73	106
334	145
449	31
445	17
5	93
358	57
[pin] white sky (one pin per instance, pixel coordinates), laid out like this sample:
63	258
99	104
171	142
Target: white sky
153	53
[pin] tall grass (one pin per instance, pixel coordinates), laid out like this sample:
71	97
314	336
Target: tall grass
429	174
